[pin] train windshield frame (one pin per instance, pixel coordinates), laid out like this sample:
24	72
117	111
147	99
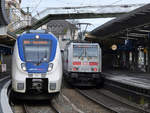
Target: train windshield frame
85	51
37	51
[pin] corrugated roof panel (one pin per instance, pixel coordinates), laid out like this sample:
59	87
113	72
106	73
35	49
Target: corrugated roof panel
134	18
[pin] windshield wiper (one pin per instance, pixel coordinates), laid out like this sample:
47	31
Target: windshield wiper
39	62
81	54
42	59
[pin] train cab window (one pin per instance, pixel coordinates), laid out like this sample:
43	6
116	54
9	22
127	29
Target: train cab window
92	51
78	52
37	51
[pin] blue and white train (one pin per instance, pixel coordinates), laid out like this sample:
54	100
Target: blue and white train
36	64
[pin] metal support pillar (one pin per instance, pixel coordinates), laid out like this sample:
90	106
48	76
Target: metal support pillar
127	60
146	58
1	58
148	49
135	59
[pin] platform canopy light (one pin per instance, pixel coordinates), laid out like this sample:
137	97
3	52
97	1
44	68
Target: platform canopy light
114	47
37	36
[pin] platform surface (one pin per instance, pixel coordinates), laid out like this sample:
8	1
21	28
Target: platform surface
139	79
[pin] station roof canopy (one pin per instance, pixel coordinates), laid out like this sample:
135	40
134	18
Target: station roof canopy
8	39
136	21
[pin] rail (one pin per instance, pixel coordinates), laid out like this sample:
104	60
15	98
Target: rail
110	103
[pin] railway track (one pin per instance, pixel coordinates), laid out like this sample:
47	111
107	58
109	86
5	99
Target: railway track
34	108
135	94
37	109
112	104
25	109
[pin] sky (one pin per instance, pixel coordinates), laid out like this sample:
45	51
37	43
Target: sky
39	5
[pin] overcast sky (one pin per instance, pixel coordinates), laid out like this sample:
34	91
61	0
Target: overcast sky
39	5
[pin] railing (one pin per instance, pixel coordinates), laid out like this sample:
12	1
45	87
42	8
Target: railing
18	18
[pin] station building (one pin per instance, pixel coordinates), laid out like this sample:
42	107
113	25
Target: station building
63	30
12	17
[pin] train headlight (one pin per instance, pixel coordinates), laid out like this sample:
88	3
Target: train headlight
50	67
37	36
23	66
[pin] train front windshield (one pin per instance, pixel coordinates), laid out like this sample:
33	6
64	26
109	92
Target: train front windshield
85	51
92	52
37	51
78	52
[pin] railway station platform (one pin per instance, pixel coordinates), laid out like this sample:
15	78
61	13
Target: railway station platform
136	79
135	86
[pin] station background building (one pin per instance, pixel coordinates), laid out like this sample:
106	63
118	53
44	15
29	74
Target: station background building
63	30
18	18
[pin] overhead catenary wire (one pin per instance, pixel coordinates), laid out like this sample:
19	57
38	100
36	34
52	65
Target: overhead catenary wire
110	4
63	1
36	6
116	2
113	3
82	3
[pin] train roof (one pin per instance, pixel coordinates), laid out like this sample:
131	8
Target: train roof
78	42
41	36
38	31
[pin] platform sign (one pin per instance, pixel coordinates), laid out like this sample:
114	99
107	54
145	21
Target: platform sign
3	66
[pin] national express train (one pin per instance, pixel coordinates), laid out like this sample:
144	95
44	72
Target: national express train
83	64
36	64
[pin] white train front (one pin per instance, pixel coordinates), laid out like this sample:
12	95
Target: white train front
36	64
83	64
